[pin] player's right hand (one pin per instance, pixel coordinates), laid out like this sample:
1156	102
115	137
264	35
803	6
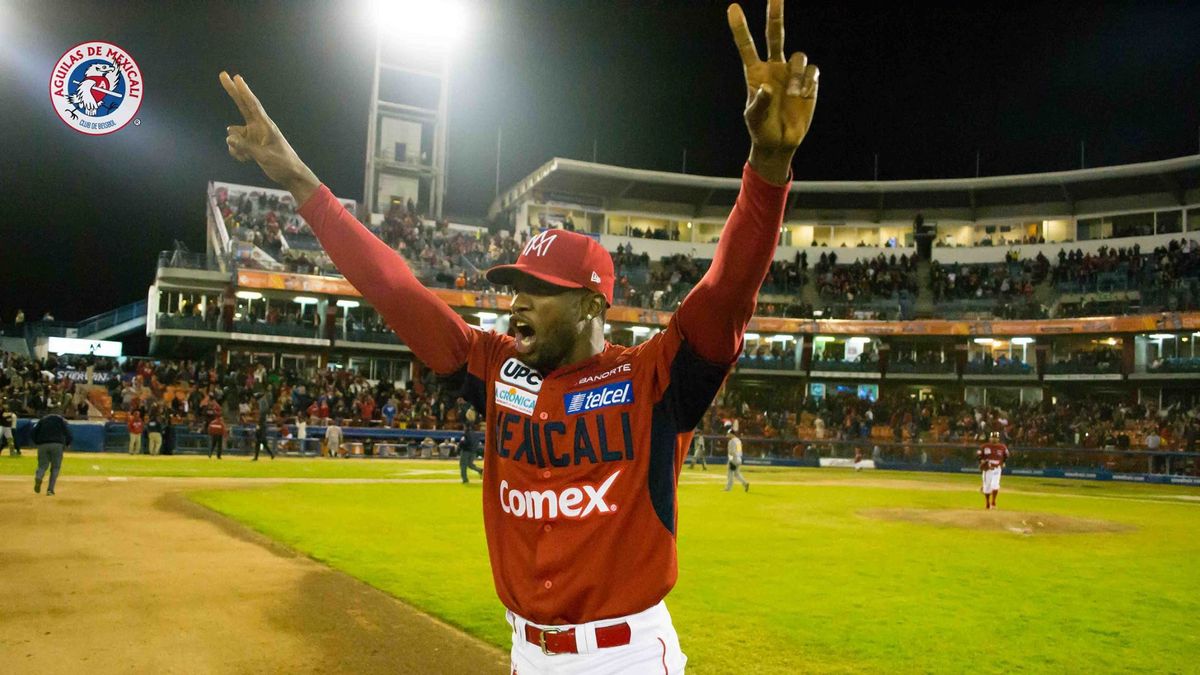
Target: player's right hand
260	140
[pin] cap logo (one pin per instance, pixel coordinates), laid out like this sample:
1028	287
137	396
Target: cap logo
595	277
539	245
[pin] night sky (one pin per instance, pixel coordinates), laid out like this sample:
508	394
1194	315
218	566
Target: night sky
83	218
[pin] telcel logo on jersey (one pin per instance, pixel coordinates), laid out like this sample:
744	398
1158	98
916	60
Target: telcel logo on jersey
515	398
96	88
536	505
617	393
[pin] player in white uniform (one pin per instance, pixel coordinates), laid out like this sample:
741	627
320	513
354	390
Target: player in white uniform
992	457
735	461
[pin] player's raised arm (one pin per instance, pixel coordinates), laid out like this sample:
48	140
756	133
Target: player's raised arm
437	335
781	96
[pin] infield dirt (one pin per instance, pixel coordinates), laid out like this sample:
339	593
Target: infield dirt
1017	522
115	575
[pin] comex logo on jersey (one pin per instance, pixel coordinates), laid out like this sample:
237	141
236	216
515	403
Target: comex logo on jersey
536	505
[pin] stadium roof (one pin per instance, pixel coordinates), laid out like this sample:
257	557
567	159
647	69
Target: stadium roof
1164	183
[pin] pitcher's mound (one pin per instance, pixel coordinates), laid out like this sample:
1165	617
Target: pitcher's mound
1017	522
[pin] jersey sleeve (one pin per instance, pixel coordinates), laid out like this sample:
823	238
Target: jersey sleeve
713	317
435	333
684	382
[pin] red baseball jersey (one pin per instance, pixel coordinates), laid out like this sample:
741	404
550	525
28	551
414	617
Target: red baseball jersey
992	455
581	463
579	498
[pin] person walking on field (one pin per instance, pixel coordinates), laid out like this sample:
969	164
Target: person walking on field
8	430
699	452
734	469
217	431
992	457
136	426
467	448
333	438
154	430
585	439
51	435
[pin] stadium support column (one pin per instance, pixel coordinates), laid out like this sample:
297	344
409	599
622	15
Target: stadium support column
408	127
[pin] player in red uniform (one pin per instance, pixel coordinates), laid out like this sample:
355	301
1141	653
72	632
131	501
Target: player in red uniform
586	438
992	457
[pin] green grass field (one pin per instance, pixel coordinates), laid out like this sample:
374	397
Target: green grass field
793	576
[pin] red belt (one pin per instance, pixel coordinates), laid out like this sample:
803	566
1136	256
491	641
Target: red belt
557	641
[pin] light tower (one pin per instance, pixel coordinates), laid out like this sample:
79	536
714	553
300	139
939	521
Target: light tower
409	111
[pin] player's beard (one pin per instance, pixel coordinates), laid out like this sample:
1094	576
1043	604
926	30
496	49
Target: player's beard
554	344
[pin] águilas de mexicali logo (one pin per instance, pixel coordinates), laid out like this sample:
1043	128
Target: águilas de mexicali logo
96	88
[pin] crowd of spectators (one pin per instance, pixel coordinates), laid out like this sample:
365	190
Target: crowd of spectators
1168	276
882	277
192	393
900	418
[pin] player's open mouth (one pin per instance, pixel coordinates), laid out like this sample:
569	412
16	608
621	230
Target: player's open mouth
524	333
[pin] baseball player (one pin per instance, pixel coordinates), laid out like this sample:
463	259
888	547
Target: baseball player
584	439
992	457
734	469
699	453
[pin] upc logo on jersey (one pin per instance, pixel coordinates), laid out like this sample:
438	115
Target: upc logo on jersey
515	398
539	245
536	505
515	372
616	393
96	88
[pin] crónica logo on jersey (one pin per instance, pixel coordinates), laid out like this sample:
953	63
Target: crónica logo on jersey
96	88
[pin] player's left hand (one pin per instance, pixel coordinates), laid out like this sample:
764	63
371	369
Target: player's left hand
781	96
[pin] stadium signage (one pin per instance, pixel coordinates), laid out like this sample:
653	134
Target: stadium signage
96	88
80	376
569	503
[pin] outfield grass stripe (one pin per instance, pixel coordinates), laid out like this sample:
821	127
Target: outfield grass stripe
787	580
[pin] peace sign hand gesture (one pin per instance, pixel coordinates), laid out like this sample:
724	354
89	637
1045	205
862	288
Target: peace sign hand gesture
780	95
260	140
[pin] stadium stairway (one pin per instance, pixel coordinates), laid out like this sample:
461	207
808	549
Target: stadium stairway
1045	294
809	294
113	323
14	345
923	308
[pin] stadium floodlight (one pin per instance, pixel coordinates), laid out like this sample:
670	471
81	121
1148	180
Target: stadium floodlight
1162	336
305	300
987	342
1022	341
249	295
441	23
347	304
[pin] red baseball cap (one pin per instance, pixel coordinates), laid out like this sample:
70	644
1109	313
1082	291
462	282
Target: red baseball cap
562	258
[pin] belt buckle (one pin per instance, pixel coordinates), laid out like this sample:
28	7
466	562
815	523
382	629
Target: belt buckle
542	639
